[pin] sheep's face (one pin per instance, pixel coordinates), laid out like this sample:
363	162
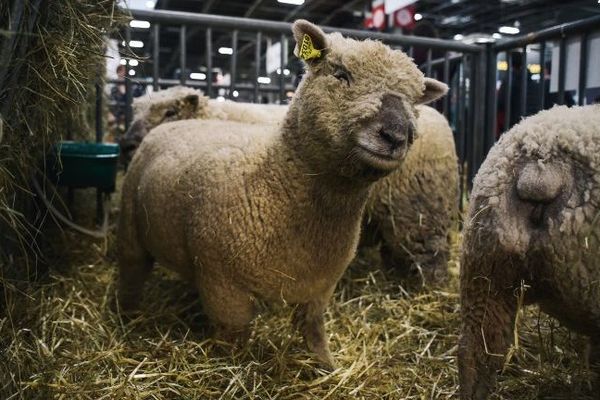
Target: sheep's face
357	100
159	112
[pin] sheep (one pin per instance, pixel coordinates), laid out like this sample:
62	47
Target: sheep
410	212
531	237
180	102
253	211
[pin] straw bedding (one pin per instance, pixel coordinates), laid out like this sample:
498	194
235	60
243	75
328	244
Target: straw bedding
62	338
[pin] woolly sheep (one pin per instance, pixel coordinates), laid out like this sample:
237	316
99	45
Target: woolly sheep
410	212
180	102
531	237
249	211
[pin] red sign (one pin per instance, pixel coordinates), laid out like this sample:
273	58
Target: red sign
405	18
379	17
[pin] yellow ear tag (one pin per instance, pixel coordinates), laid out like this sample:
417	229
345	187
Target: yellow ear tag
307	50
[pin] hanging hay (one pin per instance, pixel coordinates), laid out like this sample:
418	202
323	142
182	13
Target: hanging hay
64	340
51	53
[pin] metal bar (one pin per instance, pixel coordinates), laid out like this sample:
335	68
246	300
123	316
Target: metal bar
156	57
583	61
446	100
550	33
128	92
562	64
523	85
209	77
542	74
411	50
470	117
282	57
245	86
257	59
462	126
507	91
234	43
218	21
491	103
479	97
182	54
428	67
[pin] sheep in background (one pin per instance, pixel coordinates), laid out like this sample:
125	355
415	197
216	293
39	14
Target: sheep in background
251	211
531	236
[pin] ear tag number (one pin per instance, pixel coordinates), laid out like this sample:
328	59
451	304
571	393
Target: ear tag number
307	49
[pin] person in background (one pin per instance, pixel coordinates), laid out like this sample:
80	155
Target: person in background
118	104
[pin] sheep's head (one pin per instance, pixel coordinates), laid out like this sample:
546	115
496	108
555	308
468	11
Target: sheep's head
357	101
165	106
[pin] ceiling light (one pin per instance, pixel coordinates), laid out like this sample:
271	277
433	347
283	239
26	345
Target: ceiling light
150	4
458	36
199	76
123	61
136	43
136	23
264	79
235	93
484	39
497	36
132	72
133	63
509	30
293	2
418	17
226	50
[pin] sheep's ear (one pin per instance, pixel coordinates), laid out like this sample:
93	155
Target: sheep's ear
434	89
311	42
192	99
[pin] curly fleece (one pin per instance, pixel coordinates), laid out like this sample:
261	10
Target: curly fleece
532	227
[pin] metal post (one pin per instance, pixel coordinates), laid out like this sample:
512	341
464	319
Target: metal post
446	100
128	91
523	87
209	77
507	91
99	137
282	64
542	74
428	69
234	43
156	57
583	61
491	104
562	63
182	54
257	57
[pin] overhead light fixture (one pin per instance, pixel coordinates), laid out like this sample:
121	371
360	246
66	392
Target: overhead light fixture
199	76
509	30
458	36
226	50
132	72
136	43
134	63
293	2
136	23
418	17
235	93
286	71
264	79
484	39
497	36
123	61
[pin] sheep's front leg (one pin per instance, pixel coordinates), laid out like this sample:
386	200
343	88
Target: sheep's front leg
308	319
229	308
488	317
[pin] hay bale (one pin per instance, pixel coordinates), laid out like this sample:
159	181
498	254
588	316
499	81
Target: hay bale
51	53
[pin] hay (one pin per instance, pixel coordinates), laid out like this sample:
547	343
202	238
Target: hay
51	53
63	340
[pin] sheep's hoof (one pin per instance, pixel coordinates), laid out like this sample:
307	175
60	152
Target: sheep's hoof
326	360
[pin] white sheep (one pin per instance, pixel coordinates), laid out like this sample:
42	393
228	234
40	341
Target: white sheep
532	236
250	211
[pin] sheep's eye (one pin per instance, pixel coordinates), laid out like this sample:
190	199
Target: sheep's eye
342	75
170	113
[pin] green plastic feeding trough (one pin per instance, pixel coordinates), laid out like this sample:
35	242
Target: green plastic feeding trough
82	165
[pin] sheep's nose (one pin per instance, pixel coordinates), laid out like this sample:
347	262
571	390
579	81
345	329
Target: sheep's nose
393	137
